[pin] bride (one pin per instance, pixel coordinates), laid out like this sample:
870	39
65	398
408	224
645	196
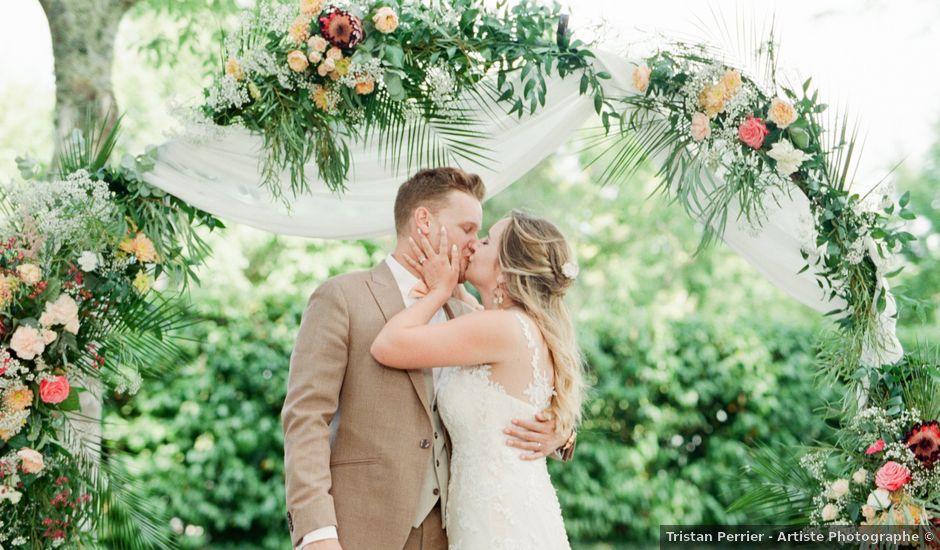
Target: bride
526	360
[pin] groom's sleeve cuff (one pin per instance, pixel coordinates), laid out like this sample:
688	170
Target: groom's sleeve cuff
322	533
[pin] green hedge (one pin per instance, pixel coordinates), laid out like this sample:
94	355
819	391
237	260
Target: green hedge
208	440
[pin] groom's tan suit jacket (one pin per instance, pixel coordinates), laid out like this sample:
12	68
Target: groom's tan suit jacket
358	436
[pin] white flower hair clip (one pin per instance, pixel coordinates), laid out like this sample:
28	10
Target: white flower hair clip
570	270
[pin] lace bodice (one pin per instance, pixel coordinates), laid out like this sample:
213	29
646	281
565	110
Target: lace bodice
496	500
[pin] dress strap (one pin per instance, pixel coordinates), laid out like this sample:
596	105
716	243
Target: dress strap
538	391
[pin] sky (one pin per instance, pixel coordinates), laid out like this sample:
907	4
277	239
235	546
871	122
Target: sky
873	57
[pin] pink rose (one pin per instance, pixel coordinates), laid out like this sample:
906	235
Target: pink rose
892	476
701	128
55	390
30	460
752	132
875	447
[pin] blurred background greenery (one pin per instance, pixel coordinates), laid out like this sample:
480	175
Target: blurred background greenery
694	360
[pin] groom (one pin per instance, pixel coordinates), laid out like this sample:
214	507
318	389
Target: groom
365	451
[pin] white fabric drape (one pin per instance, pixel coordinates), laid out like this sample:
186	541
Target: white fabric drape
221	176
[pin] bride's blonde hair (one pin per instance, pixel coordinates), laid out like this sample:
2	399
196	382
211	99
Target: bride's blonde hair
537	263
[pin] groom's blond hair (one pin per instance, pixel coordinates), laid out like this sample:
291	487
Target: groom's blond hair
429	188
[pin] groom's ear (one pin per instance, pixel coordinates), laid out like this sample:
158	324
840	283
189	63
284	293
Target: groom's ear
422	218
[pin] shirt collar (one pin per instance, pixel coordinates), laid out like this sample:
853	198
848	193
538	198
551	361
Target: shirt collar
403	278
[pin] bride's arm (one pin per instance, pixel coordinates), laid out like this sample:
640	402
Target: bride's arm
408	342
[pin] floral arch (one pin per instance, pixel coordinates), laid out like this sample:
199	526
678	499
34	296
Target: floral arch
315	117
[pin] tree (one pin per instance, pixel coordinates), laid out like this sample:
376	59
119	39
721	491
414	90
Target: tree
83	39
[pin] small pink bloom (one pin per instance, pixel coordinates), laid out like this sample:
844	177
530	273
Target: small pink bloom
55	390
892	476
875	447
752	132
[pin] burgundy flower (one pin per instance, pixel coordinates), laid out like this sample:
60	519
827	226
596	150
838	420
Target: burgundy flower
924	441
340	28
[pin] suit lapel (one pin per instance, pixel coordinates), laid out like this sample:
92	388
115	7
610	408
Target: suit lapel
387	295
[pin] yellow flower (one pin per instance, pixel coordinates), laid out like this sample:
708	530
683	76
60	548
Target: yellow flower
342	66
712	99
300	29
6	435
17	399
141	247
320	97
386	20
781	112
311	7
7	288
254	91
731	81
142	282
233	69
365	87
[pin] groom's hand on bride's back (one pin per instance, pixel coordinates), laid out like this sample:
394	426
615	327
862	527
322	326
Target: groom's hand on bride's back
538	437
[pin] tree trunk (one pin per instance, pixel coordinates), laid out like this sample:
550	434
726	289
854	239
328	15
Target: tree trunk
83	35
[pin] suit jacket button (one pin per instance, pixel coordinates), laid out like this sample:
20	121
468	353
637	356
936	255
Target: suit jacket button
425	444
435	435
436	492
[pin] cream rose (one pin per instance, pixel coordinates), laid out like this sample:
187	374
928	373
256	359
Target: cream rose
326	67
879	499
641	78
829	512
88	261
838	489
701	127
789	158
386	20
315	56
27	342
781	112
29	273
318	43
297	61
860	476
64	311
335	54
30	460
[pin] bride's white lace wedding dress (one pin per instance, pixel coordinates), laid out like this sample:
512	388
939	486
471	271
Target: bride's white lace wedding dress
497	501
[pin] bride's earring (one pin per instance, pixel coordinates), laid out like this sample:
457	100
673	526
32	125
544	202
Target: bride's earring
498	296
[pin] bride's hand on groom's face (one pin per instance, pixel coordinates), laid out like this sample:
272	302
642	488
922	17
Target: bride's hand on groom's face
440	269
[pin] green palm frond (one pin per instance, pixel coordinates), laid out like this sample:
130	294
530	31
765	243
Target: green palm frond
778	489
88	148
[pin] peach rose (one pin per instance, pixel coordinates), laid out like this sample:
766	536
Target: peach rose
838	489
326	67
868	512
752	132
335	54
315	57
781	112
712	99
311	7
318	43
892	476
830	512
297	61
386	20
731	82
30	460
701	128
27	342
300	29
29	273
641	78
54	390
860	476
365	87
64	311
